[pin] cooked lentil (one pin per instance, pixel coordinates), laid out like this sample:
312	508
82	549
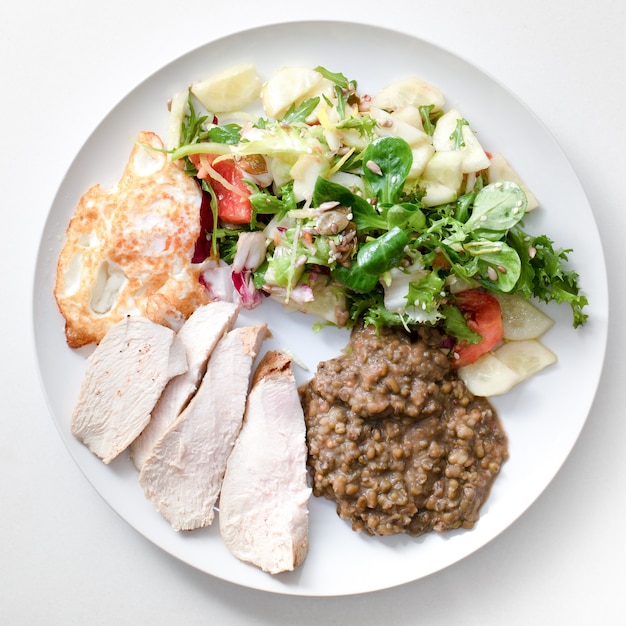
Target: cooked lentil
396	439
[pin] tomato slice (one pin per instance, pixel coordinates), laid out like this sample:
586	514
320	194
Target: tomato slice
233	199
484	317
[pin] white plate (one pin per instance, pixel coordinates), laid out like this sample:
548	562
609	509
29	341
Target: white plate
542	417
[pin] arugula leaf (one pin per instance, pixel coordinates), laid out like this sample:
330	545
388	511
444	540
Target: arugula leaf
192	129
456	137
429	118
363	124
337	77
342	101
296	114
228	134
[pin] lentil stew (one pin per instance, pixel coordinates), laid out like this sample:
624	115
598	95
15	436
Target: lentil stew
394	437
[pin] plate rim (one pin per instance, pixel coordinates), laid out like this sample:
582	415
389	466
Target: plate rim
601	307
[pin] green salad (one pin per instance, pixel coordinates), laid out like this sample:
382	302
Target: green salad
383	208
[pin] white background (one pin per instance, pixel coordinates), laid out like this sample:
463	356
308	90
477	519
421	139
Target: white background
65	557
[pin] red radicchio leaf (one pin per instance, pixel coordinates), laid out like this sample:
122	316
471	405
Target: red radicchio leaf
249	294
202	249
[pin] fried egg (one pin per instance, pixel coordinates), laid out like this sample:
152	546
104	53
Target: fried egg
129	249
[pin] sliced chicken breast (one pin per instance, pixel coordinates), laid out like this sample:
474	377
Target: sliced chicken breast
183	475
199	335
263	507
125	377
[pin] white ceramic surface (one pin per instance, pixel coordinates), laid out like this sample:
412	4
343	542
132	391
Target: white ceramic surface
543	418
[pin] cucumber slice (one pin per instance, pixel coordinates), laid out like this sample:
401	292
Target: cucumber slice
526	358
488	376
230	90
474	157
292	85
521	319
409	91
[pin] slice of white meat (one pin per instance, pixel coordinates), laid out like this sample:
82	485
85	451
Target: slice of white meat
263	506
125	377
199	335
183	475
